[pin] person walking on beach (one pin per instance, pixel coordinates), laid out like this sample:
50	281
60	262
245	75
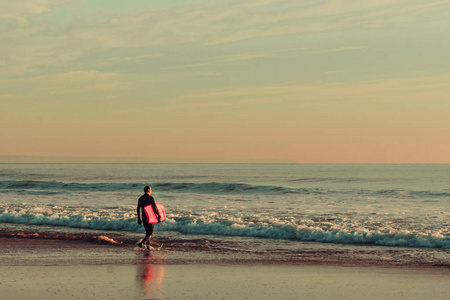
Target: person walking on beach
144	201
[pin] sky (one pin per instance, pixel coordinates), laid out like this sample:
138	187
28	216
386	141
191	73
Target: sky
325	81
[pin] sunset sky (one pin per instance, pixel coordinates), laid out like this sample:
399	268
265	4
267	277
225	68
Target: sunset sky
226	81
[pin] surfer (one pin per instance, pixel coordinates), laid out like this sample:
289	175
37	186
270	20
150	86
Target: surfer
144	201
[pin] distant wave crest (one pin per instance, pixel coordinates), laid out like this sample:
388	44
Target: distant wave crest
56	187
201	188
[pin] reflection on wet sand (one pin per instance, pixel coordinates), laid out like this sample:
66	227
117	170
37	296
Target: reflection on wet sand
151	276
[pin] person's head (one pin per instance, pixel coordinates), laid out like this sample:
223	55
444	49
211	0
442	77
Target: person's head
147	189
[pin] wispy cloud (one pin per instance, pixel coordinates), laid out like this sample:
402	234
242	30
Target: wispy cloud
208	74
31	50
433	89
241	58
198	22
70	83
224	60
341	49
22	11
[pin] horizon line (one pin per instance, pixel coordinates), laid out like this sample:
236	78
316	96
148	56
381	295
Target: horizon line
28	159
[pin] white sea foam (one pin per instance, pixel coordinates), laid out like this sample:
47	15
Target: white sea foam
337	231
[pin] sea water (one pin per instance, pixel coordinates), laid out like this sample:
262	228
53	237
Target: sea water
380	205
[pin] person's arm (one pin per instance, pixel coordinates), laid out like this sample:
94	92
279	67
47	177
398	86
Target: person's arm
138	212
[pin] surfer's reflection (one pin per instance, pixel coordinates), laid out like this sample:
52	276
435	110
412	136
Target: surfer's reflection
152	277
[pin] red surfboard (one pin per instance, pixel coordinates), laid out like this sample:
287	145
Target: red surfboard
151	216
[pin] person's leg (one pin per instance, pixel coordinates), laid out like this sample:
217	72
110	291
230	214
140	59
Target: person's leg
149	228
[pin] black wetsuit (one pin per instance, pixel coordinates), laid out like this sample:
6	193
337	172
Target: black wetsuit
143	201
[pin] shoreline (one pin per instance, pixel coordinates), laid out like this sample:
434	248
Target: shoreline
186	249
55	269
30	250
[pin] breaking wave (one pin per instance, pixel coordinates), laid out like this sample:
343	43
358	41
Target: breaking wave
121	221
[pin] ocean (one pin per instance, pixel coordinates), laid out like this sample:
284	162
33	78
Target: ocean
266	208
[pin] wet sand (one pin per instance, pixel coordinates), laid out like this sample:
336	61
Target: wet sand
60	269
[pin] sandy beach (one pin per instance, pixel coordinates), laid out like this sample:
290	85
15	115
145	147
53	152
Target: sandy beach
60	269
